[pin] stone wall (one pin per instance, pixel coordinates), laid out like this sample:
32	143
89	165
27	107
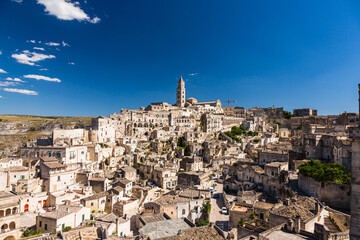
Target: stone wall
333	194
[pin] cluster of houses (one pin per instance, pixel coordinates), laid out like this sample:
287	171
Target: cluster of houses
150	173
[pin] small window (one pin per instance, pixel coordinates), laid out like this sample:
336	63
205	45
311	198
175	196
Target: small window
45	226
40	223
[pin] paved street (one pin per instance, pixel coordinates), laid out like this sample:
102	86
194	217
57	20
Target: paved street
216	216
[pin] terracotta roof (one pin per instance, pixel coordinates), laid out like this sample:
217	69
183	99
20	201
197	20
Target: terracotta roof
53	165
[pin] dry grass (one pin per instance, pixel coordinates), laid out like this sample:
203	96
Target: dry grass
29	118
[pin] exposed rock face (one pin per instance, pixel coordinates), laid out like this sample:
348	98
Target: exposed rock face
16	131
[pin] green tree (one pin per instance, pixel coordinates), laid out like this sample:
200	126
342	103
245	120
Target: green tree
207	207
329	172
241	222
288	115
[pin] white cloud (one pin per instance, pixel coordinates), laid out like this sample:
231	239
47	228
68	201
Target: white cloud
43	69
14	79
193	74
66	10
23	91
1	97
30	58
8	84
18	1
65	44
0	52
39	77
39	48
71	63
52	44
95	20
2	71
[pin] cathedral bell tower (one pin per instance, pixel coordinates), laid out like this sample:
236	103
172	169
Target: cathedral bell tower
180	93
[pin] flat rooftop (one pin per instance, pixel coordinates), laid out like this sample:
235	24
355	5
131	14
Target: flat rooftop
162	229
281	235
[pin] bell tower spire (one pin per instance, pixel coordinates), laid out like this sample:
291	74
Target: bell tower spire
180	93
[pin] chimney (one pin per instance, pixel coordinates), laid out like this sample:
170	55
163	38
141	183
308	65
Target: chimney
290	225
297	224
317	208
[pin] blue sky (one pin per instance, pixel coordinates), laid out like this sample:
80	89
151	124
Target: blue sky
90	58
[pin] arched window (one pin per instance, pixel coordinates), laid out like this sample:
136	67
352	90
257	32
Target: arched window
8	212
12	226
4	227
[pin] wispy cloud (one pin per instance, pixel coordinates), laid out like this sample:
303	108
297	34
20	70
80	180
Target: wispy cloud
1	97
193	74
14	79
39	48
2	71
65	44
71	63
52	44
8	84
95	20
43	69
30	58
18	1
66	10
23	91
39	77
0	52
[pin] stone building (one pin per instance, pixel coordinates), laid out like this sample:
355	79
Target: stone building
126	207
105	129
62	216
239	112
95	202
268	156
305	112
211	122
199	180
55	176
9	216
355	183
126	172
176	206
70	137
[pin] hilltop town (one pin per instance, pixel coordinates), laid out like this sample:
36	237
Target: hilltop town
189	170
